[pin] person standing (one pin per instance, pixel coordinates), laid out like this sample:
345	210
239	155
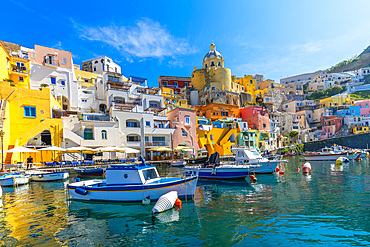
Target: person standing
29	162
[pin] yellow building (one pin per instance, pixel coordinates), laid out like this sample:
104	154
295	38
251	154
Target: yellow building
218	137
171	99
341	99
86	79
213	71
26	118
358	129
14	67
248	85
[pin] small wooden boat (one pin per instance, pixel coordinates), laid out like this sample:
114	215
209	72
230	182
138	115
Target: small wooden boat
90	172
47	175
201	157
165	202
132	183
13	179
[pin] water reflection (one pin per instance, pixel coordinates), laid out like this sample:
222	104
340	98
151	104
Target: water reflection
330	207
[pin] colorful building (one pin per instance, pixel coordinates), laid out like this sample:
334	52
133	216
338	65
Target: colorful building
174	82
171	99
215	111
184	121
337	100
27	119
249	86
364	107
256	116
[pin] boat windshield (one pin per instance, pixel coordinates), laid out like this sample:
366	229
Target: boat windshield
150	174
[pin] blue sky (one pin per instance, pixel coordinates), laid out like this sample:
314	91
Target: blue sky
153	38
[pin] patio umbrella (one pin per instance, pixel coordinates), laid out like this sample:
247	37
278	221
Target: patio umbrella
131	151
22	150
181	148
52	148
163	149
80	150
108	149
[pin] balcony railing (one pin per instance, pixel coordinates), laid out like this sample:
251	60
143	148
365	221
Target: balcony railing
51	63
19	69
96	118
157	144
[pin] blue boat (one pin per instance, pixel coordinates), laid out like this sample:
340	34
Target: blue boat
90	172
132	183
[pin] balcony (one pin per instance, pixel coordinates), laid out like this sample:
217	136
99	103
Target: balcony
50	63
123	106
97	118
19	69
157	144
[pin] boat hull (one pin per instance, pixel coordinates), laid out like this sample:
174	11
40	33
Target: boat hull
96	190
47	177
13	181
197	160
90	172
323	157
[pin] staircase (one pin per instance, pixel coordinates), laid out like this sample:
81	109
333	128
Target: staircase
8	157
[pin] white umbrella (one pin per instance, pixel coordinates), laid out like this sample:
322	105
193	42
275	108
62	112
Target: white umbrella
53	148
108	149
21	150
131	150
79	149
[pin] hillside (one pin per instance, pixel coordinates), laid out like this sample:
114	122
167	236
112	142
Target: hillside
361	61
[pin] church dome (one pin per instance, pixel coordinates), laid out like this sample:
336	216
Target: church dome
212	53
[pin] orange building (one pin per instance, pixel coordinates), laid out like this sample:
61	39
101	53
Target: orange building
216	111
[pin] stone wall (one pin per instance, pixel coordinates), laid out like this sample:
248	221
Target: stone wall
354	141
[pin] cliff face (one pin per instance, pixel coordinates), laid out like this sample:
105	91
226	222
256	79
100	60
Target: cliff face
363	60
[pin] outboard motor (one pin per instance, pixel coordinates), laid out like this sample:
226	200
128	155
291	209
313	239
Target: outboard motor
214	159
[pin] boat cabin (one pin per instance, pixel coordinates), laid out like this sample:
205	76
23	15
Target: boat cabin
131	174
245	155
202	153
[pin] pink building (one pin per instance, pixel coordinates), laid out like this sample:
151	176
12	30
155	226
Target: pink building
336	121
256	116
51	57
365	107
184	121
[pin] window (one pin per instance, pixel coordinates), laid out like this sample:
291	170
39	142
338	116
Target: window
33	55
104	135
185	84
133	138
108	60
64	61
366	106
146	139
150	174
175	83
49	59
187	120
211	137
20	78
84	100
29	111
63	83
212	63
213	88
219	64
147	123
107	67
94	68
165	83
286	106
53	80
206	65
184	134
96	61
88	134
132	123
264	125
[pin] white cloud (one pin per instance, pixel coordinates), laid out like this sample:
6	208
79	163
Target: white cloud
147	39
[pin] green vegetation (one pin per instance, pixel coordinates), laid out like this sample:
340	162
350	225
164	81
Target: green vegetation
326	93
361	95
293	133
305	86
343	63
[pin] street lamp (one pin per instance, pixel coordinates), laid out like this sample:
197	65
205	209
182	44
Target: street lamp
2	133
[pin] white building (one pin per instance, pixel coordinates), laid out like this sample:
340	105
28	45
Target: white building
101	65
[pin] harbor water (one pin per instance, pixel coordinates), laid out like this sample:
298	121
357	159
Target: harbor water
330	207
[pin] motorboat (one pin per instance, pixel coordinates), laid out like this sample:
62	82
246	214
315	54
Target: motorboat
90	172
47	175
132	183
178	163
214	169
326	154
250	156
200	158
14	179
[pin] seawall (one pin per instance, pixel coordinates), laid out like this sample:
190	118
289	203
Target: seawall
353	141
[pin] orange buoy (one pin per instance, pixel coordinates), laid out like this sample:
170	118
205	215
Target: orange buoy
281	173
178	203
277	169
298	169
253	178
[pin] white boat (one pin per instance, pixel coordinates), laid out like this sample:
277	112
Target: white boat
326	154
132	183
178	163
46	176
245	162
13	179
165	202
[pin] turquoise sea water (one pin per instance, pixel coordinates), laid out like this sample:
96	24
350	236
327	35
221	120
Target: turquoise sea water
329	208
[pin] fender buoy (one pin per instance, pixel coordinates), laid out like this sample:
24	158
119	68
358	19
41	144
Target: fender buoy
277	169
298	169
178	203
281	173
253	178
81	191
40	176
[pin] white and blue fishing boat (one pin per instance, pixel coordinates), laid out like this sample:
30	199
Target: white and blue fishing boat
13	179
47	175
132	183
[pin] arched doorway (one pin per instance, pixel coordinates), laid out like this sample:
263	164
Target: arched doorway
102	108
65	103
46	138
